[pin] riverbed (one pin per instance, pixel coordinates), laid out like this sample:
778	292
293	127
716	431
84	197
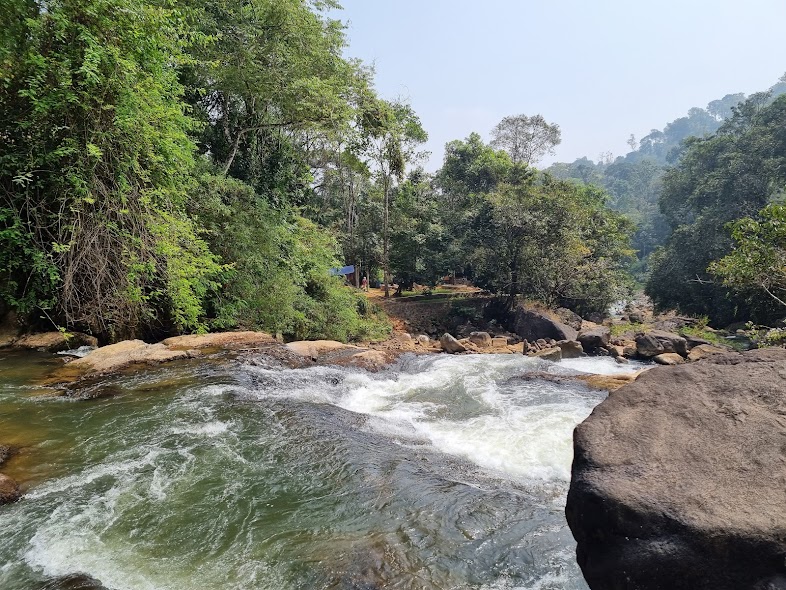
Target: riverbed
439	472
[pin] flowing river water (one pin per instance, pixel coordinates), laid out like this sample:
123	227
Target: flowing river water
442	472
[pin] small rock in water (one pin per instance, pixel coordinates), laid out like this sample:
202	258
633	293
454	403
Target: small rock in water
9	490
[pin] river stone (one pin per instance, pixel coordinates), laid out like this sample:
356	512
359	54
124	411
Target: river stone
55	341
678	479
480	339
549	354
450	344
594	338
657	342
9	490
571	349
531	325
702	351
669	358
499	342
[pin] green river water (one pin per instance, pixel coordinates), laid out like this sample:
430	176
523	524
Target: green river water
439	473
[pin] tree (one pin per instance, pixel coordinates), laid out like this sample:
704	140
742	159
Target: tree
719	179
394	134
526	139
95	164
758	260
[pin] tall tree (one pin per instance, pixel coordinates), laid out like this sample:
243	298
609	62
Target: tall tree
526	139
395	133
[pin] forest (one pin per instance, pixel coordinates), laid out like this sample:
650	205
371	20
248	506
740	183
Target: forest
185	166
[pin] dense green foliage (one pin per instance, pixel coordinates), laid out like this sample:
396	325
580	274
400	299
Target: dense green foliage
729	176
110	223
94	169
521	232
183	165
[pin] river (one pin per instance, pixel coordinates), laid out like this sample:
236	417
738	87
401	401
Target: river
443	472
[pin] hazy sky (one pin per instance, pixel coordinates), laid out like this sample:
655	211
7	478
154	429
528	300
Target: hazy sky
601	70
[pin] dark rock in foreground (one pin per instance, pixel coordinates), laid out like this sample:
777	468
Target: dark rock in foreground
679	479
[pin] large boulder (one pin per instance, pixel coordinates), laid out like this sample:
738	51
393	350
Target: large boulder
702	351
532	326
668	358
594	338
450	344
480	339
222	340
678	479
655	342
571	349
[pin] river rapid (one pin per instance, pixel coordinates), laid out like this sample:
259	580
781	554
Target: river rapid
442	472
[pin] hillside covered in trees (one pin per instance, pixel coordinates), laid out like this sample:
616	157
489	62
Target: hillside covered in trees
635	181
184	166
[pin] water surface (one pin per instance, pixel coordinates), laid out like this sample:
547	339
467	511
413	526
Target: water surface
442	472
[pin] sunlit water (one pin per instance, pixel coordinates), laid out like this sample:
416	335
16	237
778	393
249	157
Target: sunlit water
443	472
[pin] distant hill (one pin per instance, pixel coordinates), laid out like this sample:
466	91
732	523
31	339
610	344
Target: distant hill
634	180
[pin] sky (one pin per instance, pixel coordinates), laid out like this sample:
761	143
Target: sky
601	70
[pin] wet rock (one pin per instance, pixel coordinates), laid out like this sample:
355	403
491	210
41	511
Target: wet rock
549	354
5	453
9	490
117	356
73	582
703	351
480	339
616	351
316	348
594	339
371	360
571	349
657	342
450	344
55	341
669	358
531	325
678	478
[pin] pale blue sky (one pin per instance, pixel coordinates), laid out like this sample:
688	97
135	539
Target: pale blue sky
601	70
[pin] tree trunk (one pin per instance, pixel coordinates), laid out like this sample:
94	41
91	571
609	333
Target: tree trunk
385	237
